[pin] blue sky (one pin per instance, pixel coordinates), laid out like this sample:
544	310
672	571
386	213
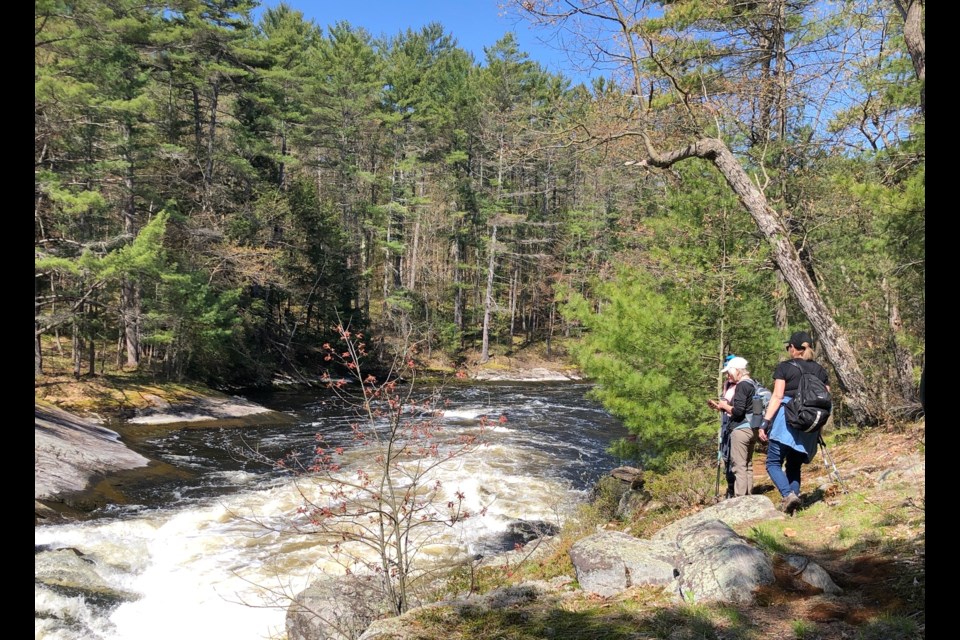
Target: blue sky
475	24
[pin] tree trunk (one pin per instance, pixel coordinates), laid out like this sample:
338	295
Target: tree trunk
488	300
722	342
834	340
37	357
130	303
902	358
130	290
781	312
197	123
458	301
553	313
281	166
212	136
514	288
913	37
412	260
77	348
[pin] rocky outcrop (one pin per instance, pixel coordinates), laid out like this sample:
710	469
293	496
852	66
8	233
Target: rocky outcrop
707	562
697	559
196	410
719	565
731	512
335	608
73	571
534	374
608	562
71	451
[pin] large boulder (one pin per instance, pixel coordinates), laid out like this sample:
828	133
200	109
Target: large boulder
70	569
731	512
620	493
608	562
699	557
335	608
719	565
632	503
474	606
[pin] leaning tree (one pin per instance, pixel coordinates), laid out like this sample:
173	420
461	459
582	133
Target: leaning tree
738	85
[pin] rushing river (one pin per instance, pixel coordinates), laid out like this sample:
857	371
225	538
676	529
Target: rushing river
202	539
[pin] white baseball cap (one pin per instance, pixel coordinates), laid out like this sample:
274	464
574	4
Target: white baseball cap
735	363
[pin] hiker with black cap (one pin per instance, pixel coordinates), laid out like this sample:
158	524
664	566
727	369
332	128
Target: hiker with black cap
785	444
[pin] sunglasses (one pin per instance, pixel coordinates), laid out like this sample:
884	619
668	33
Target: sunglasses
797	348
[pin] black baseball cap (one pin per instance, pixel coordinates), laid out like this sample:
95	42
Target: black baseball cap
800	337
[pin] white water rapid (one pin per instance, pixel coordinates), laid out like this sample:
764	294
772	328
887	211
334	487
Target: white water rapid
224	565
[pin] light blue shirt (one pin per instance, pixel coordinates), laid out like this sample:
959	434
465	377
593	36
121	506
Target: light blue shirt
790	437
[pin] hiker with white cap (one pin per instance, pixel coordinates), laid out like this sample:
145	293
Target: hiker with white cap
742	436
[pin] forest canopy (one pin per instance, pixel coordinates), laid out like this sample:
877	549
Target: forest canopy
215	193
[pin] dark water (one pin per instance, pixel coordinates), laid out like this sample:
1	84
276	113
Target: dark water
196	461
206	526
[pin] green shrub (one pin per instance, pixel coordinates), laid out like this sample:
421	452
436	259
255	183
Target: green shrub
606	497
689	480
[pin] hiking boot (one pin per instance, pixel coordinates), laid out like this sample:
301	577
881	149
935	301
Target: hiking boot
789	503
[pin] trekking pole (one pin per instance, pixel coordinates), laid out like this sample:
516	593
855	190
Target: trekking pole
828	462
716	493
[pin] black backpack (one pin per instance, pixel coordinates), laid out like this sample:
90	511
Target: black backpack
810	407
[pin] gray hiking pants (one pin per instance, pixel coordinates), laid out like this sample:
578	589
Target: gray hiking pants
742	443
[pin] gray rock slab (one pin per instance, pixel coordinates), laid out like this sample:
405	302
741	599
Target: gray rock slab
535	374
70	451
732	512
198	410
69	568
608	562
719	565
335	608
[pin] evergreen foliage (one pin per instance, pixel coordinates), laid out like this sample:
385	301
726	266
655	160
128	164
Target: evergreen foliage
305	173
646	353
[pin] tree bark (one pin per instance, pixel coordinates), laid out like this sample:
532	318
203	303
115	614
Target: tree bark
37	357
488	300
902	358
77	347
834	340
130	290
912	15
458	301
781	312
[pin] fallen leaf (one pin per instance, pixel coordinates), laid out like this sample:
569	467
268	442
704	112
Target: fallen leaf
790	533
